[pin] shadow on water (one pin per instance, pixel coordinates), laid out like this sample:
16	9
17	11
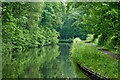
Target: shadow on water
44	62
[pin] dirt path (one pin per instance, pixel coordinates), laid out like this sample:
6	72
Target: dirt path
116	56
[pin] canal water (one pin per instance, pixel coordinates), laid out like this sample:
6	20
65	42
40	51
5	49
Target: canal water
44	62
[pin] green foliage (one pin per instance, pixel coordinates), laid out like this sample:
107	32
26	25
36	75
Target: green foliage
95	60
34	24
99	19
69	29
30	24
89	37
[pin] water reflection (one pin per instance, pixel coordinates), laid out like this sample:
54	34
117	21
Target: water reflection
44	62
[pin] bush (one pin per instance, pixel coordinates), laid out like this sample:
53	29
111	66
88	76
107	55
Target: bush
89	37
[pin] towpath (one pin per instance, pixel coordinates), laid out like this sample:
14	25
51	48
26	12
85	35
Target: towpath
116	56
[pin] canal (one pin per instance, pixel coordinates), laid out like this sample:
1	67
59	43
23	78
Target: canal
44	62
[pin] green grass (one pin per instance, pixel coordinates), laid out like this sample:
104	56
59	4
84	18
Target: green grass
111	50
93	59
106	46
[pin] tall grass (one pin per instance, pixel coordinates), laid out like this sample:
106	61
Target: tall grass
95	60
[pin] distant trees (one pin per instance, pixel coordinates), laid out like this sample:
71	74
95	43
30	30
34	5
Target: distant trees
69	28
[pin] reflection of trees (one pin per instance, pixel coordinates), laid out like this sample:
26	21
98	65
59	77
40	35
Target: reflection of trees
66	66
51	67
59	67
28	64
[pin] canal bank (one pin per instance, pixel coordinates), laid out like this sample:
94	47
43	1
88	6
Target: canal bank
96	61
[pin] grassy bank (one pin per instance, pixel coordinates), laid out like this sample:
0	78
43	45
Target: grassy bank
95	60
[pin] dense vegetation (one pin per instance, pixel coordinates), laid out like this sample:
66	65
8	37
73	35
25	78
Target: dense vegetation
69	30
95	60
32	24
27	25
101	20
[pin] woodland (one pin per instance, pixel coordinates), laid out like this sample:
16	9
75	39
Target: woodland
31	24
43	38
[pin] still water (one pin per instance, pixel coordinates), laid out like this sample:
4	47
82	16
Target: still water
44	62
